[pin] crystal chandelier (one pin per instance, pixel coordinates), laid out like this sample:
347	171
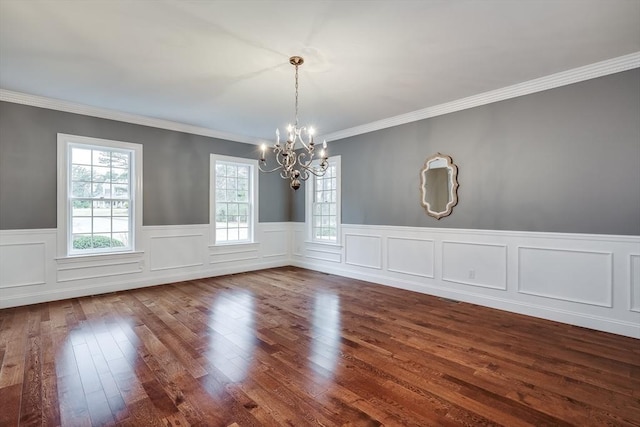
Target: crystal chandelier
296	166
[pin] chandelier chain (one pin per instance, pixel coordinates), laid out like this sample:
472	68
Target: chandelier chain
296	95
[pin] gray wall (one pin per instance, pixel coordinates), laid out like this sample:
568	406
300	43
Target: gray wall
175	176
562	160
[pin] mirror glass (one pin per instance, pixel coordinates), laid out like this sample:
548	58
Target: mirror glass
439	185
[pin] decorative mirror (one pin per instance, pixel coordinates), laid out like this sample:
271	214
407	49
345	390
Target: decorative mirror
439	185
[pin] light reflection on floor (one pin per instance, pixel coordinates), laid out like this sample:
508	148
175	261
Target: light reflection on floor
325	343
95	370
234	337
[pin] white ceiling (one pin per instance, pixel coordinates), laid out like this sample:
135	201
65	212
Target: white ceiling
223	65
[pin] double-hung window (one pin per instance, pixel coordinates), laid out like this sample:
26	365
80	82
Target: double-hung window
323	204
99	200
233	196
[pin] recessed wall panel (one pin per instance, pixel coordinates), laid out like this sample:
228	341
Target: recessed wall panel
363	250
634	282
410	256
475	264
179	251
571	275
22	264
275	243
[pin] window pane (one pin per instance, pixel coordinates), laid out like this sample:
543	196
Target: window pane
221	235
221	212
232	234
81	225
80	189
232	171
101	190
81	208
80	173
231	196
101	158
220	170
120	208
243	234
120	240
80	156
101	174
120	224
120	159
82	241
242	196
120	191
119	175
231	183
101	208
101	225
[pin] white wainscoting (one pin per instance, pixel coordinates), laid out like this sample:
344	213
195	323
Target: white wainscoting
31	273
584	280
634	282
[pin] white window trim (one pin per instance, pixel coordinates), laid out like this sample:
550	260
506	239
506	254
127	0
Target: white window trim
334	160
212	199
64	221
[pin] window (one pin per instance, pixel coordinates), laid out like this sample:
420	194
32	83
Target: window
233	198
99	197
323	203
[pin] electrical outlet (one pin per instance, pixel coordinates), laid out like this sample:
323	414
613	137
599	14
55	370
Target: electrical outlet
472	274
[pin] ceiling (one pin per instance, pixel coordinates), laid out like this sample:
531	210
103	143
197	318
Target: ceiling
223	65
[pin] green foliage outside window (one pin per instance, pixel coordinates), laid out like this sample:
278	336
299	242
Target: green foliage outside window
88	242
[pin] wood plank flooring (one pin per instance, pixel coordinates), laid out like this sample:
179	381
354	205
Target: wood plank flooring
292	347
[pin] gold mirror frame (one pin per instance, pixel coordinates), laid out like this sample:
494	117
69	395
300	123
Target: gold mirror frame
439	161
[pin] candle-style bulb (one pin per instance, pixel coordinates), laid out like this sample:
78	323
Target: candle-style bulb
277	135
324	144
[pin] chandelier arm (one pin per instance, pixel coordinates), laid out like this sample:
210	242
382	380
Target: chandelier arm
301	139
268	170
315	171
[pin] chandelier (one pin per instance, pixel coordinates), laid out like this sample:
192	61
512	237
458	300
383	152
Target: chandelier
296	166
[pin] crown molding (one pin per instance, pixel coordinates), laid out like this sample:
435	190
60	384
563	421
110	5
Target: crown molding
103	113
575	75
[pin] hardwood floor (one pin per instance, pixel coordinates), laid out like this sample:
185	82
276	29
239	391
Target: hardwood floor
295	347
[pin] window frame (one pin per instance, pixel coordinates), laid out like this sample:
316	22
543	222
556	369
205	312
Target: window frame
253	198
310	190
65	142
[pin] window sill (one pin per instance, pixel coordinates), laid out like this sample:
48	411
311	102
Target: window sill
330	244
235	244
